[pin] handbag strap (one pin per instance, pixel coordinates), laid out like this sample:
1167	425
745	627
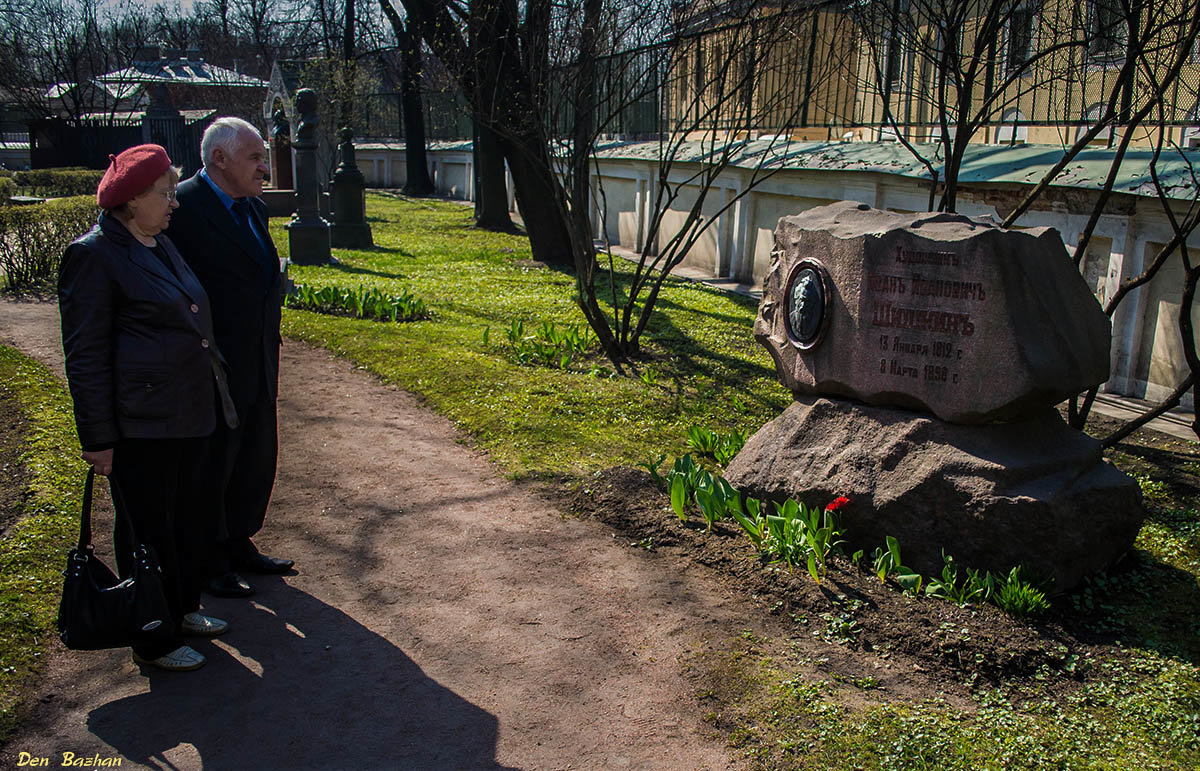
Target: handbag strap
85	514
121	517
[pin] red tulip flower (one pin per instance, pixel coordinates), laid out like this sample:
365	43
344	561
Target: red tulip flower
837	503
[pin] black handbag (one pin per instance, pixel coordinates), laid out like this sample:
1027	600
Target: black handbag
98	610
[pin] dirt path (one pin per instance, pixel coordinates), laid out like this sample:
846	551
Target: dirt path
440	618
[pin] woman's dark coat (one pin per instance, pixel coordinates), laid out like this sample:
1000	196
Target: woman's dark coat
141	356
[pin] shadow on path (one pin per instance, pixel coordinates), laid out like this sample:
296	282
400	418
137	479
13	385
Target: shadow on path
298	684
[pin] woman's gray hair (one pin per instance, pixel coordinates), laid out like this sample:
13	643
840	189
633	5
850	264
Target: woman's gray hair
223	133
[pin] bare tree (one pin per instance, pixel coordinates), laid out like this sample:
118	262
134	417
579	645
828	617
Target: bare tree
496	52
544	82
1184	218
940	72
408	39
53	50
732	97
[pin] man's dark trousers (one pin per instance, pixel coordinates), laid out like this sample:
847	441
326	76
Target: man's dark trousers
247	456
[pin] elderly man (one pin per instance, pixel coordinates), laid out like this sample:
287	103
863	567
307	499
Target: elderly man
221	230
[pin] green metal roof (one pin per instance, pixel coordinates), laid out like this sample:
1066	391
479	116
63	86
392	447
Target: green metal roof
990	164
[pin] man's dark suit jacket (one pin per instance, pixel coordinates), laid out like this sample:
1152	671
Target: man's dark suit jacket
138	341
245	304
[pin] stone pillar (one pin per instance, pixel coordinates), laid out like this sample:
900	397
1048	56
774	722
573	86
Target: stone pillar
349	200
308	234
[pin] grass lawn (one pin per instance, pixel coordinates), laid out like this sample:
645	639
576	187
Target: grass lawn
33	549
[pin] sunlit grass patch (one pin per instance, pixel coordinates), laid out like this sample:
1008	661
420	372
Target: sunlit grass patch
1138	710
701	363
33	550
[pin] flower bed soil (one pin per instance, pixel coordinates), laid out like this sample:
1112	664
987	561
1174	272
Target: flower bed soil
951	643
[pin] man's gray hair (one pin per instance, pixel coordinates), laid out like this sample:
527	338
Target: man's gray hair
223	133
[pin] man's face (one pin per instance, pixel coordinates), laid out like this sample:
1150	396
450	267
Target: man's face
243	169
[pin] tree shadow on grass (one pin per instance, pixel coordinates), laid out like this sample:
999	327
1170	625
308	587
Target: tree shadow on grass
660	326
355	271
1177	469
1141	602
310	688
377	249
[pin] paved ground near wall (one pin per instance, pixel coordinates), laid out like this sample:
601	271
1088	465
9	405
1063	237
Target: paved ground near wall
439	617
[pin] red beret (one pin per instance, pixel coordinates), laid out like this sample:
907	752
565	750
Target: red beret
131	173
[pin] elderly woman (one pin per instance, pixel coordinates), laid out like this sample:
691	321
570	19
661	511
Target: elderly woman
148	383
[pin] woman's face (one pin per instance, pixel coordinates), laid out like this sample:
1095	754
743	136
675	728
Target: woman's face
151	210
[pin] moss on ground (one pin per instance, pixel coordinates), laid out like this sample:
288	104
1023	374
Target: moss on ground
1138	711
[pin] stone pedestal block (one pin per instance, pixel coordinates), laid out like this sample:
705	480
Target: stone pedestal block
932	312
308	241
351	236
1032	492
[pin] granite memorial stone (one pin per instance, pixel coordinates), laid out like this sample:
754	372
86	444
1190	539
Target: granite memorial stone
926	354
1032	491
940	313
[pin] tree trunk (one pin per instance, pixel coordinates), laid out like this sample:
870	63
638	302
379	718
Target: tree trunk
488	65
412	106
505	103
416	165
538	193
491	187
348	58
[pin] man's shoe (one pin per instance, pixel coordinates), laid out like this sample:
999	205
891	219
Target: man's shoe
203	626
262	564
229	585
182	659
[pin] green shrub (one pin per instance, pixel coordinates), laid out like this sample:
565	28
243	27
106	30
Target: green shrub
8	188
59	182
32	238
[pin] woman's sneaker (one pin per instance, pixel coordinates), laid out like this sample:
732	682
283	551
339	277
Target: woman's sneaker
182	659
204	626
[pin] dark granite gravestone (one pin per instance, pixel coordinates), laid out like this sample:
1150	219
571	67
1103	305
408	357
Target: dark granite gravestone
927	353
349	200
308	234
